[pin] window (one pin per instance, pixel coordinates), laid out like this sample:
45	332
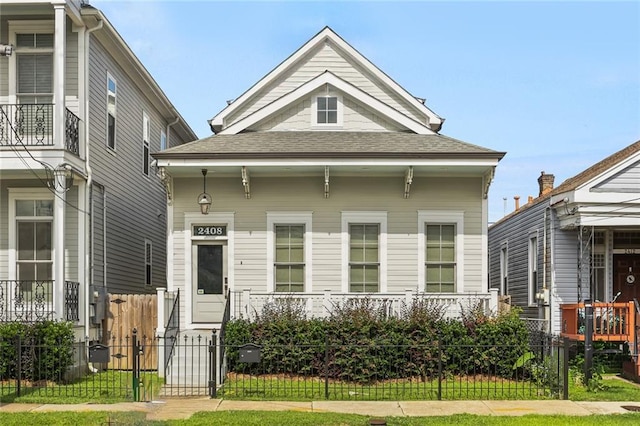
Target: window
146	131
163	140
598	284
289	258
533	269
440	264
111	111
441	251
364	261
34	65
289	251
504	271
327	110
148	262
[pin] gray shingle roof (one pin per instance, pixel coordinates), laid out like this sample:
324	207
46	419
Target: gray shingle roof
314	144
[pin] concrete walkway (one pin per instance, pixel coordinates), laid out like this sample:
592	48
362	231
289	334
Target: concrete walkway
183	408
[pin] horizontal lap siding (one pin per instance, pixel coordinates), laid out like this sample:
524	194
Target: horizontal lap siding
627	181
135	203
318	61
346	194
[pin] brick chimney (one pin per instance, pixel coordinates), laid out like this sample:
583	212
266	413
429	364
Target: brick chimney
545	182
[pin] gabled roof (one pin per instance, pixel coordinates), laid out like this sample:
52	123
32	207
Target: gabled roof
581	178
326	34
328	144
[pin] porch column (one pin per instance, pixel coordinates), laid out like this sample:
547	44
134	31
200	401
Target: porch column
58	244
58	76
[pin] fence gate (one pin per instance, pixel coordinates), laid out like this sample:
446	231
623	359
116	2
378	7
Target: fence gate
124	313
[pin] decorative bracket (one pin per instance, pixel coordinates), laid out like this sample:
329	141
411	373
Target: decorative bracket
168	184
326	181
408	179
488	178
245	182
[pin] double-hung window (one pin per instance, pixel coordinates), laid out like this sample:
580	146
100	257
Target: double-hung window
441	251
34	63
112	104
146	131
289	258
289	251
148	262
364	257
533	268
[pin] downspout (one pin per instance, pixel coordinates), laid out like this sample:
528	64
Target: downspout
88	187
545	290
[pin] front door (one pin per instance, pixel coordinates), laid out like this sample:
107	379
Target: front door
209	281
626	277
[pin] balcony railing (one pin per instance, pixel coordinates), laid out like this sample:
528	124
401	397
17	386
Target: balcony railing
31	301
247	304
31	125
612	322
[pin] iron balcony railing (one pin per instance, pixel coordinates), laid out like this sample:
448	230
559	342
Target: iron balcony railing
31	301
31	125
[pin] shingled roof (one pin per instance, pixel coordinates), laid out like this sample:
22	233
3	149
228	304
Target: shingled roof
586	175
327	144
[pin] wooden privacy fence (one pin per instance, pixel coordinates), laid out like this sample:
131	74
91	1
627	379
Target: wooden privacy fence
124	313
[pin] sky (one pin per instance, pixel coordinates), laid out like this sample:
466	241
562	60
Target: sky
555	85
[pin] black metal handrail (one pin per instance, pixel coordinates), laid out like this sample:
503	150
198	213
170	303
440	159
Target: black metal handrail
32	125
172	328
31	301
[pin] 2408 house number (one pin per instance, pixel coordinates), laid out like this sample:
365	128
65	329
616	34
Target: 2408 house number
209	231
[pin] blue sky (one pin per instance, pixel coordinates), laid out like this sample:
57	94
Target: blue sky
556	85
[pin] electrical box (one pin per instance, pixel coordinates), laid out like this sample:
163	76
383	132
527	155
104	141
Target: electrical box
97	304
543	297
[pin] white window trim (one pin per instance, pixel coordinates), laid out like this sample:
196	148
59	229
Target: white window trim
289	218
441	217
314	112
148	243
27	194
531	262
146	136
379	217
45	26
504	268
190	219
163	140
115	128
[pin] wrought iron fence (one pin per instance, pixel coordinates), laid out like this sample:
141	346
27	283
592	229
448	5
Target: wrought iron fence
31	301
126	369
72	133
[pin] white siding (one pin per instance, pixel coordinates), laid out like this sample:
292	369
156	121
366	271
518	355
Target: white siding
324	58
347	194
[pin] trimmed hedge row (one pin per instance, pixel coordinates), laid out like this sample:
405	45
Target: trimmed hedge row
38	351
360	343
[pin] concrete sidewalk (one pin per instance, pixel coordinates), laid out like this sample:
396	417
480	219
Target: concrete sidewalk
183	408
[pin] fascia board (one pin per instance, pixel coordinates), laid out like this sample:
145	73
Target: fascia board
311	85
218	119
321	162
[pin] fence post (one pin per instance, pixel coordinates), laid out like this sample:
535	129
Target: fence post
439	370
136	363
326	366
213	360
588	340
565	370
19	364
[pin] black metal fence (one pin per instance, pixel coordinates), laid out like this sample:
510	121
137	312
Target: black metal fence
131	369
32	301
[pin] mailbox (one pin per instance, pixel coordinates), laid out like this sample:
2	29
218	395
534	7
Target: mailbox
98	353
250	353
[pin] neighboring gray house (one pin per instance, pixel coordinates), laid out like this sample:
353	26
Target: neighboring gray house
325	181
82	210
576	242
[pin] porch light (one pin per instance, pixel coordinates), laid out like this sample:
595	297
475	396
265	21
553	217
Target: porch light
204	199
6	49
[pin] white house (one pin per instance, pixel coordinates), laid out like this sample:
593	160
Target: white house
324	181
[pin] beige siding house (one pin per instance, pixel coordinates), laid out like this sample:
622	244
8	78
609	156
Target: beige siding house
82	211
325	181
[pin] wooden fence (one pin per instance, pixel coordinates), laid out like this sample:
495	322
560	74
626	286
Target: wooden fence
124	313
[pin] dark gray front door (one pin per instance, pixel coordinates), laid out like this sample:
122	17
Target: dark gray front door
209	281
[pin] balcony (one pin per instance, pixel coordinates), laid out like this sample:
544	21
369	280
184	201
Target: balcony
31	125
31	301
612	322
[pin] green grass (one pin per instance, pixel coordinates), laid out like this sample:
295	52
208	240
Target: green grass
105	387
615	389
267	418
